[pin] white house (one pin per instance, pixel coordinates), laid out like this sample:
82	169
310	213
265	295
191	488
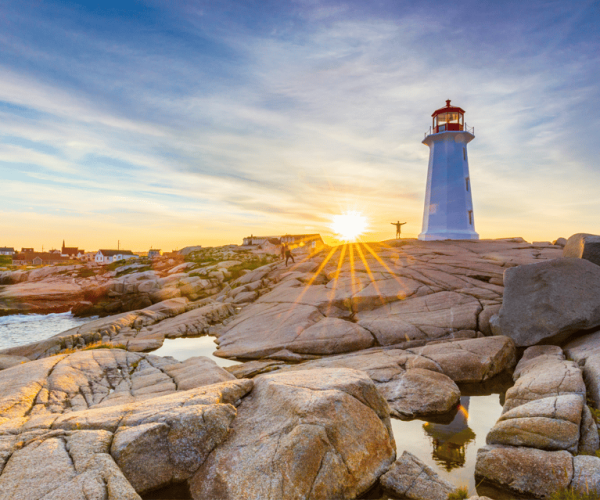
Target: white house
448	213
7	251
110	256
257	240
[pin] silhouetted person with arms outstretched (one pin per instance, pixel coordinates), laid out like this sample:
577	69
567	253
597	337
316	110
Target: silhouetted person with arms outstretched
398	228
288	255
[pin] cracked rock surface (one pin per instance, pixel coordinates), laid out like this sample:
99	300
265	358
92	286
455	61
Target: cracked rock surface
91	424
376	295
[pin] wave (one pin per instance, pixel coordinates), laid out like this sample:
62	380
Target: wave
26	318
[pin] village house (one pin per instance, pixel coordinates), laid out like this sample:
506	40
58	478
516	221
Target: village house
258	240
38	259
7	251
70	251
311	242
110	256
153	253
26	250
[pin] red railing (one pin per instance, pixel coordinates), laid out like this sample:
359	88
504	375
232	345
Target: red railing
466	128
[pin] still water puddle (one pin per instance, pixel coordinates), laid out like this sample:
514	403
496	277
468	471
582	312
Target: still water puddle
187	347
450	449
449	444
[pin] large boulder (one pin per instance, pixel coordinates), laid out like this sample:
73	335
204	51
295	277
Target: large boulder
525	471
583	246
546	303
412	479
295	436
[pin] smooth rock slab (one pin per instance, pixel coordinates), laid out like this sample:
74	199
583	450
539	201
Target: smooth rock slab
525	471
543	372
547	424
472	360
7	361
318	434
412	479
548	302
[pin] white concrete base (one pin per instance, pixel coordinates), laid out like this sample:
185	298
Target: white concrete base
449	236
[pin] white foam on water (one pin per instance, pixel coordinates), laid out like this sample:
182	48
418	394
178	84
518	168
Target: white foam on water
20	329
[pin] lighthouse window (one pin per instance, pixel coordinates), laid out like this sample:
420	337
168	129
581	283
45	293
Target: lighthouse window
467	183
471	217
452	117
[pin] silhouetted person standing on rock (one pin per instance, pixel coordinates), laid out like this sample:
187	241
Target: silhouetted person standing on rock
398	228
288	255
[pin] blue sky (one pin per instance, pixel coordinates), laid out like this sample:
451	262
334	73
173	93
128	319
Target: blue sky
174	123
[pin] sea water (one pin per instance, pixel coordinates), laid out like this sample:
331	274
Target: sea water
20	329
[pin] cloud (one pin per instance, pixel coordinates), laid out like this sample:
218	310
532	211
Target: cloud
229	118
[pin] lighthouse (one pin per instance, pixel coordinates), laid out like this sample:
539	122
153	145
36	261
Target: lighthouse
448	213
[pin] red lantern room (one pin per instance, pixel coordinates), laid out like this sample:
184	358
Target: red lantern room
448	118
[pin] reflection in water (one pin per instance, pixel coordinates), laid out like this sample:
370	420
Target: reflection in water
449	445
450	441
187	347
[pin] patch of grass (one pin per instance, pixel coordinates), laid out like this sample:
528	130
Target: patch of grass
5	260
90	347
249	265
125	262
86	272
134	270
571	494
461	493
199	258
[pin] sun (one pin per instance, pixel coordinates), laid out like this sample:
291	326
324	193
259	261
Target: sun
349	225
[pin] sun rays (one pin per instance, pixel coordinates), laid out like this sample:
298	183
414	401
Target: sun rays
350	256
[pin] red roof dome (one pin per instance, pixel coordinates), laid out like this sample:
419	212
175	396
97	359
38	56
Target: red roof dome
448	109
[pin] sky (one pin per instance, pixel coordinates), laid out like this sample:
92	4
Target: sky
174	123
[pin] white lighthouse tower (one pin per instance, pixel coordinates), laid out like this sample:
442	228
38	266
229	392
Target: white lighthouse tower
448	211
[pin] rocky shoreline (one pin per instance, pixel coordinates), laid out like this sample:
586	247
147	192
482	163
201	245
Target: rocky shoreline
332	348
